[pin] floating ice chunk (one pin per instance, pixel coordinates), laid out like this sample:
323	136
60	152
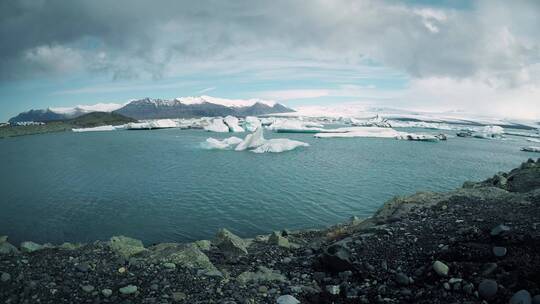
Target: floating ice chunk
376	121
295	126
217	125
252	123
277	145
97	129
360	132
533	140
152	124
490	132
531	149
232	123
251	141
420	137
227	143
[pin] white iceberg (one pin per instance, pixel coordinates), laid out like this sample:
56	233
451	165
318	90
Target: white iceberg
254	142
98	129
152	124
533	140
252	123
278	145
376	121
295	126
531	149
360	132
251	141
490	132
232	123
225	144
217	125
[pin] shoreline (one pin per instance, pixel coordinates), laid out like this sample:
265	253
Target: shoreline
477	243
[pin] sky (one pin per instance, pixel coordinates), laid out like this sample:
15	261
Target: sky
478	57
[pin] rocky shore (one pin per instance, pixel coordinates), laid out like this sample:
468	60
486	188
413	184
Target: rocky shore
476	244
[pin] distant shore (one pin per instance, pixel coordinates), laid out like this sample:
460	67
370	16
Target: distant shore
476	243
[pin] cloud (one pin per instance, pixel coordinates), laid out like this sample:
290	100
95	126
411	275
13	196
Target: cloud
141	38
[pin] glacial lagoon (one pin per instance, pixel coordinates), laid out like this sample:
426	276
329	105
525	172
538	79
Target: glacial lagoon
161	186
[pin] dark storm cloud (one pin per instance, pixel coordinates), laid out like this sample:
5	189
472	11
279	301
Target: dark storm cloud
492	40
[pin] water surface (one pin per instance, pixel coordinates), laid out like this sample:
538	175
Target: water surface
161	186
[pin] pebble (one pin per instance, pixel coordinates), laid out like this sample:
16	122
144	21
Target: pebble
499	251
128	289
487	289
440	268
178	296
499	230
87	288
521	297
287	299
536	299
83	267
122	269
402	279
106	292
489	268
169	265
263	289
5	277
333	289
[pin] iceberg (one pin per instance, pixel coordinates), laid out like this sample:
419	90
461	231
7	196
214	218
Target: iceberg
360	132
251	141
152	124
217	125
252	123
490	132
98	129
254	142
376	121
295	126
278	145
225	144
531	149
232	123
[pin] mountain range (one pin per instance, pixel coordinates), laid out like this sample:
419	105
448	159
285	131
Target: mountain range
148	108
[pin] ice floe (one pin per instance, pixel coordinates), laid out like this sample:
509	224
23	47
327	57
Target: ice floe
252	123
278	145
286	125
255	142
531	149
217	125
233	124
251	141
490	132
98	129
535	140
152	124
377	132
227	143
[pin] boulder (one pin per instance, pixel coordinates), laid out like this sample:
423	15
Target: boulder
336	258
7	248
287	299
126	246
277	239
188	256
262	275
29	247
230	244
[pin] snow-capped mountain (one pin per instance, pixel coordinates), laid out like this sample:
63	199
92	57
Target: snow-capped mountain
148	108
